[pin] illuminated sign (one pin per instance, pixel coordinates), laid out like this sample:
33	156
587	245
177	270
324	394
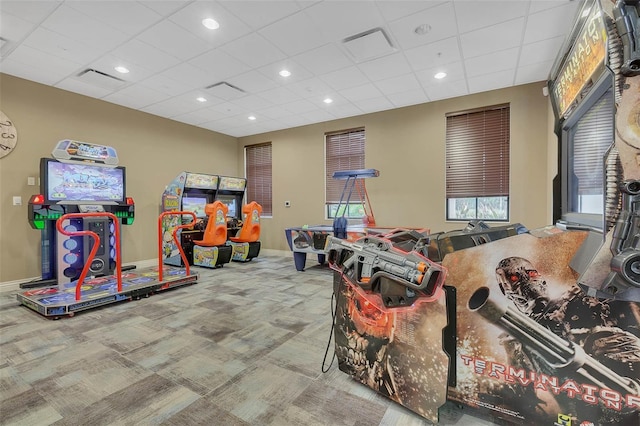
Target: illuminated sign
586	55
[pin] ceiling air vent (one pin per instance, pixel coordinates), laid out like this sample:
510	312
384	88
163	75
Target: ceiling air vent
368	45
100	79
226	91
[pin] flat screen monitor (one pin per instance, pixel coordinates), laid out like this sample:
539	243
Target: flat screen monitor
75	183
195	205
231	202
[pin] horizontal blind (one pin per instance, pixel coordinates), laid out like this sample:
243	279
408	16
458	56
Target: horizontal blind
593	134
477	153
344	151
258	163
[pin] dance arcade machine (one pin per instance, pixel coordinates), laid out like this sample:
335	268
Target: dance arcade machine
65	299
541	327
81	178
311	238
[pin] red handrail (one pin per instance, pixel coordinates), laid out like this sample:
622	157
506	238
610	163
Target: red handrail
96	243
175	239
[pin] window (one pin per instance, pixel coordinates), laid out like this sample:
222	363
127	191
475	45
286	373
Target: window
258	172
588	141
344	150
477	164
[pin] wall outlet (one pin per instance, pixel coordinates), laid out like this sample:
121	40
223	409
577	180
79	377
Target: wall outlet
31	181
17	200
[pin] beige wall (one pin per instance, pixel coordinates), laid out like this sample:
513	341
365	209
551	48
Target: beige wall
154	151
406	145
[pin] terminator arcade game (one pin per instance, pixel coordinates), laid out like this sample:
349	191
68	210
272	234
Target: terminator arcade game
81	178
541	327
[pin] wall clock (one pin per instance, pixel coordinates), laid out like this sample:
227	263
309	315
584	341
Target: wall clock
8	135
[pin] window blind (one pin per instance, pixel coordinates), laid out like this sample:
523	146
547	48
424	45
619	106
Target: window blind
258	170
344	151
477	153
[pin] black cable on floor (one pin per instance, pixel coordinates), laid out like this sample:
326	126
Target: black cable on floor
334	312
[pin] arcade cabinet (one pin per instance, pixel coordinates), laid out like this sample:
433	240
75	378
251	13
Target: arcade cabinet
231	192
211	251
187	192
545	323
246	244
81	178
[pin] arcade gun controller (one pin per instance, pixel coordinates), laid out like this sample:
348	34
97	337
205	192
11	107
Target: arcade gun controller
388	276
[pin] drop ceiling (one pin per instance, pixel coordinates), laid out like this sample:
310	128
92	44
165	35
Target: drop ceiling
365	56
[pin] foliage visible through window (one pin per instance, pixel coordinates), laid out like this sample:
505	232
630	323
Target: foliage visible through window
258	172
344	150
477	164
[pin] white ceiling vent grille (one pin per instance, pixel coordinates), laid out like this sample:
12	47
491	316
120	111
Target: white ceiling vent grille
368	45
226	91
100	79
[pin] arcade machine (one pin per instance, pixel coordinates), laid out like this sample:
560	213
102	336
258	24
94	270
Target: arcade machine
246	244
81	178
541	327
65	299
187	192
311	239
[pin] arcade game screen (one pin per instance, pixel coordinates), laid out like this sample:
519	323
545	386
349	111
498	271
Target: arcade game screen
83	182
195	205
231	203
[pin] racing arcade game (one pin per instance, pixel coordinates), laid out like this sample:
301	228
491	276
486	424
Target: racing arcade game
81	178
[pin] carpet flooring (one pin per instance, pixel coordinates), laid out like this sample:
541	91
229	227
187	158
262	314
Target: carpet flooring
242	346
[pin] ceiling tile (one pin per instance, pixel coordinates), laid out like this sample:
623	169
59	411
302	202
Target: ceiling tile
165	7
550	22
190	18
311	88
258	14
344	78
107	64
455	71
438	53
219	65
253	82
127	16
61	46
534	72
344	110
398	84
410	97
486	82
318	116
373	105
293	34
392	10
253	50
540	5
298	72
166	85
279	96
274	112
57	68
14	29
188	73
299	107
72	84
136	96
359	93
227	109
145	55
480	14
252	102
491	63
30	11
540	51
71	23
492	39
175	40
387	67
323	59
440	19
446	90
338	20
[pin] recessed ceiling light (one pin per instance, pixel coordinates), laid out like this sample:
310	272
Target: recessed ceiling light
201	99
210	23
251	117
328	100
422	29
285	73
121	69
440	75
